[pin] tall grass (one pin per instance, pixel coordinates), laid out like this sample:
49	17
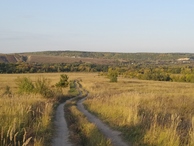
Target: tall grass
163	135
24	120
147	112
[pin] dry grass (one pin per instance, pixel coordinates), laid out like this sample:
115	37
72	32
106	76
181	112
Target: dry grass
147	112
84	132
25	119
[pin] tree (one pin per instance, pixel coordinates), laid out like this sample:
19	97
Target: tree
63	81
112	75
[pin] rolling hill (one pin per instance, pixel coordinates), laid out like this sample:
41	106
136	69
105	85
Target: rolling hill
91	57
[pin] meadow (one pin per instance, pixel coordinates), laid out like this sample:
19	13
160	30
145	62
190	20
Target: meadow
26	119
147	113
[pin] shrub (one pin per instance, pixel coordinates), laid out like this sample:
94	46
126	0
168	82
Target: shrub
25	85
42	87
63	81
72	89
112	75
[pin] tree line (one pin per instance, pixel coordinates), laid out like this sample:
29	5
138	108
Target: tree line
42	68
145	72
159	73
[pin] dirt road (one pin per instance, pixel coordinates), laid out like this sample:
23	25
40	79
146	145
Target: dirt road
62	133
109	133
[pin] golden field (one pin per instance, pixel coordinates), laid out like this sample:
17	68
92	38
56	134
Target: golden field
26	119
146	112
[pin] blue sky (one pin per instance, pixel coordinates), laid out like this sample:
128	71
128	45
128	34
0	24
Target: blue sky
97	25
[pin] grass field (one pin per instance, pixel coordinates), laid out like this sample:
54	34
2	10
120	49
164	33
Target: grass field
26	119
146	112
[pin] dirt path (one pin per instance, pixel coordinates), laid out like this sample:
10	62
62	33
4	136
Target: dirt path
62	132
109	133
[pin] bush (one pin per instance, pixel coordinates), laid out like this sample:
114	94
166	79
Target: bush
42	87
72	89
156	76
112	75
25	85
63	81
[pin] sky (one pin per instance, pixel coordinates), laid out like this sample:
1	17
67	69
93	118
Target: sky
159	26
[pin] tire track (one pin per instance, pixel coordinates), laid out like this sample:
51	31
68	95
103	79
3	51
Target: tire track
62	132
113	135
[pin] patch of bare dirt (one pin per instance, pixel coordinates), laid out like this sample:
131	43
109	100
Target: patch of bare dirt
62	133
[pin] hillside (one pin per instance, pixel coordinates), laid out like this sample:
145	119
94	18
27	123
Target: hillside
112	55
44	58
93	57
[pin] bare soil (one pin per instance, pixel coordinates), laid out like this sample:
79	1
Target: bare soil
62	133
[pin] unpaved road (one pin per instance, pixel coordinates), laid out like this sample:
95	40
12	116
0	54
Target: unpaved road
62	133
109	133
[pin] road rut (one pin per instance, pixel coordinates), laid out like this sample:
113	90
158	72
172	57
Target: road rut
113	135
62	133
